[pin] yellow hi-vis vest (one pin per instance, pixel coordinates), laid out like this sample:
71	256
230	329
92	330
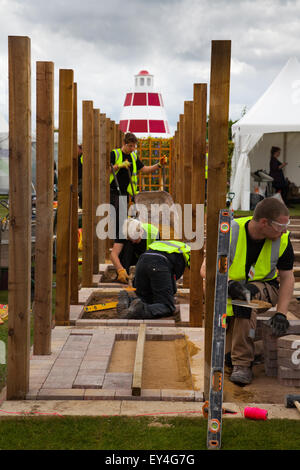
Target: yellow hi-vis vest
172	246
206	165
265	266
151	232
134	178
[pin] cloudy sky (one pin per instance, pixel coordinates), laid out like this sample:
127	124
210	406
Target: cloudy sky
106	42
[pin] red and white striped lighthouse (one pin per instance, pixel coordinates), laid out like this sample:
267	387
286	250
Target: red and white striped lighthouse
143	110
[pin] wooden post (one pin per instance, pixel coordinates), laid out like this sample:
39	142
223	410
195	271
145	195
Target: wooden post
198	197
74	228
96	186
181	161
20	217
217	175
44	207
87	193
187	167
103	180
107	159
64	209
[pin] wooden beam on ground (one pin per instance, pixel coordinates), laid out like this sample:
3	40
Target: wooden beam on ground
138	362
74	227
18	344
187	167
96	187
103	181
64	205
198	197
87	193
44	207
217	179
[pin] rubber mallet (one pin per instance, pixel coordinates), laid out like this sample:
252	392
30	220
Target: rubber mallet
292	401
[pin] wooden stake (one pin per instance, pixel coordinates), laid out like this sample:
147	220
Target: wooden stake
20	217
44	207
103	180
139	360
198	197
187	167
217	174
96	186
64	209
74	228
87	193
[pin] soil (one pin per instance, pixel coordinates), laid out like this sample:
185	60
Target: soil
166	363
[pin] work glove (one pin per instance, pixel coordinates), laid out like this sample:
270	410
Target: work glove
163	161
237	291
125	164
279	324
122	276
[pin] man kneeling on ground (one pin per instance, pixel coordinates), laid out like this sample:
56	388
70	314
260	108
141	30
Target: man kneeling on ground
157	271
126	251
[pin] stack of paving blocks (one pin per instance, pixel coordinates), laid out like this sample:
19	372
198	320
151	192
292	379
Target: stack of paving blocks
278	353
288	354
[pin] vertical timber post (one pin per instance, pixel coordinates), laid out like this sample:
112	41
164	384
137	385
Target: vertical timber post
198	197
96	186
74	228
187	170
217	175
19	56
103	180
64	209
44	207
87	193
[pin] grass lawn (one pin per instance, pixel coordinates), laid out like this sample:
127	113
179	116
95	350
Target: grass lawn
143	433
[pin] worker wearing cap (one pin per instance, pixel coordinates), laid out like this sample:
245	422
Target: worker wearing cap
122	160
137	237
157	271
260	250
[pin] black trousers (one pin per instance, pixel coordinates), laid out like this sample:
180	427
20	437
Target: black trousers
155	284
115	201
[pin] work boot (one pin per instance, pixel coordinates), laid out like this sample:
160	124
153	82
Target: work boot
123	303
241	375
138	310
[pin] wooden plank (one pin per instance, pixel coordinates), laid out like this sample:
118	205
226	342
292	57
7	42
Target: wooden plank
44	207
138	362
217	178
96	187
198	197
64	209
18	344
103	180
87	193
74	226
187	168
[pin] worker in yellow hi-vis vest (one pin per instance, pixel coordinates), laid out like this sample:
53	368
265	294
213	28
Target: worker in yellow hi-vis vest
125	167
260	250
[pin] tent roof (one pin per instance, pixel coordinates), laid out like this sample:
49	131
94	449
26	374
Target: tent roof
278	109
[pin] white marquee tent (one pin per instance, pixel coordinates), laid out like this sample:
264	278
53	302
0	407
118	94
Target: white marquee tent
273	120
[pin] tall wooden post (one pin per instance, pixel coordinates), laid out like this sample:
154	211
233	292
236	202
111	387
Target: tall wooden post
74	228
96	186
87	193
20	217
217	175
198	197
103	180
187	167
44	207
107	160
64	206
